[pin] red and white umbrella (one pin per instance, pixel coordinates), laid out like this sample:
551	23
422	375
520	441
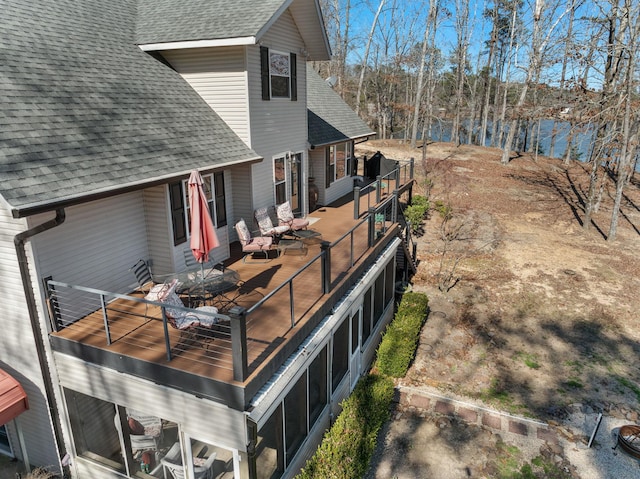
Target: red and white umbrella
203	232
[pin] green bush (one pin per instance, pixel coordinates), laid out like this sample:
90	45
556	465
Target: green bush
348	446
400	340
417	212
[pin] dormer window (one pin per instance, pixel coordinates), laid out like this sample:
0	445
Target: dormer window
279	74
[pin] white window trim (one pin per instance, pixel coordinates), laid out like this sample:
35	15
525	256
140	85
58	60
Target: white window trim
284	54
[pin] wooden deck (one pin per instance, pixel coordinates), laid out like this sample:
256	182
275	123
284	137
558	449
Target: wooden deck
138	332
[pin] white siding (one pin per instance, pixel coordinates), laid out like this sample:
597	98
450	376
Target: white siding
219	76
337	189
201	418
159	229
278	125
96	245
241	204
18	354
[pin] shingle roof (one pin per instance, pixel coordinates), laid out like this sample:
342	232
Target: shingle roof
330	119
83	110
161	21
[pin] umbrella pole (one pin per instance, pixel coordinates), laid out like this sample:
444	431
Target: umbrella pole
202	276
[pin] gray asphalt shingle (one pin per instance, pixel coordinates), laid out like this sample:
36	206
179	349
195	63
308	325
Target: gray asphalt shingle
331	120
83	110
161	21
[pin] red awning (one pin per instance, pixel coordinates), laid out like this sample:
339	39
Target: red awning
13	400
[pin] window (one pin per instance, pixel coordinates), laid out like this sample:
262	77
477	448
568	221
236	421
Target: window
340	362
279	180
279	74
339	161
213	187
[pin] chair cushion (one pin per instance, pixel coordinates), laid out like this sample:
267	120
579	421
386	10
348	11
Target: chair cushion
258	244
284	212
135	427
243	232
156	292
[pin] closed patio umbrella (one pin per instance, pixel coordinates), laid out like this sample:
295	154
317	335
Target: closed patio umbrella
203	232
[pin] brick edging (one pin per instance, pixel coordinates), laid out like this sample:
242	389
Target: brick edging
475	415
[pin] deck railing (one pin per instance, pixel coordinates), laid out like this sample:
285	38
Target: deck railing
366	197
244	337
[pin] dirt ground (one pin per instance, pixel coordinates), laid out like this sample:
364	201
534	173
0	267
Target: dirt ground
541	313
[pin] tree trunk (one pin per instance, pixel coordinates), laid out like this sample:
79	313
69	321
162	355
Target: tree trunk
366	55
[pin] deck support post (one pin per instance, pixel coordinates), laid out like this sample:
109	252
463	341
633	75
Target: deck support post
238	317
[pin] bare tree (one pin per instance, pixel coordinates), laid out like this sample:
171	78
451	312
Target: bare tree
629	139
429	33
536	52
365	57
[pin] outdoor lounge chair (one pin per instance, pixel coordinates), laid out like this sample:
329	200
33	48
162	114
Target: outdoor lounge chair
142	272
251	245
145	431
266	225
179	319
172	462
287	218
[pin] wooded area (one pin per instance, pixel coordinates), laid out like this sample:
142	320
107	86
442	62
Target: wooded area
497	73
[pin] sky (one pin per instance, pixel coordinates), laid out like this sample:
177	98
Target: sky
402	21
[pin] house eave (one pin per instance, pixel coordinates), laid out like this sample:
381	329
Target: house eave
72	200
189	44
335	141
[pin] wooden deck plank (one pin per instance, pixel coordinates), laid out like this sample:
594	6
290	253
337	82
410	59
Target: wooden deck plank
135	332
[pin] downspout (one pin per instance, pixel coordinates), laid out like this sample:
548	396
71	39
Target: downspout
19	240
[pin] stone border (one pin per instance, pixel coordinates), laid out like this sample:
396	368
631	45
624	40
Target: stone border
475	415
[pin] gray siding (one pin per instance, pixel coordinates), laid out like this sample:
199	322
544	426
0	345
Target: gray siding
219	76
18	354
278	125
206	420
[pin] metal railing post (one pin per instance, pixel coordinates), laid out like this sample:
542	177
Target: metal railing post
292	306
238	317
397	175
372	226
325	248
394	207
105	318
411	166
378	188
356	202
165	325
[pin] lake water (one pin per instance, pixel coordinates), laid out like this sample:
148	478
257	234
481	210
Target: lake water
582	139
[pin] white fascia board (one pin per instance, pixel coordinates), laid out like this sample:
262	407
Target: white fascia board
221	42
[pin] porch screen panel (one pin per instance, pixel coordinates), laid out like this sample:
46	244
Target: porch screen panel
340	357
94	432
378	298
295	417
317	386
270	447
366	316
